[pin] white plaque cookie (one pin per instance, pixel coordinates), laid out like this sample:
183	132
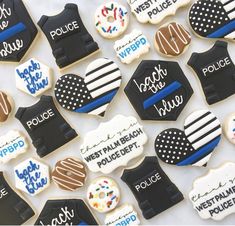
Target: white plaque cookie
132	46
113	144
213	195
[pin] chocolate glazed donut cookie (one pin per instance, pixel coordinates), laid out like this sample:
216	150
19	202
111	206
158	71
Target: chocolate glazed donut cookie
172	39
69	174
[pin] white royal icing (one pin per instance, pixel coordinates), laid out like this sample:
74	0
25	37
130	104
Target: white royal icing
213	195
229	128
132	46
113	144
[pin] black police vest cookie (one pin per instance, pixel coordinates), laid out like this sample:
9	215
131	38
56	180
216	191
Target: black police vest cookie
158	90
46	126
17	30
67	35
216	72
13	209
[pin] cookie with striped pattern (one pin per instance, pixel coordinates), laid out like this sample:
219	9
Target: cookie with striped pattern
93	93
194	145
213	18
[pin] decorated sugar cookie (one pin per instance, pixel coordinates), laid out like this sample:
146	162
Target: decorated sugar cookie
213	18
229	128
172	39
113	144
68	37
215	70
158	90
111	19
5	106
69	174
14	210
32	176
194	145
103	194
155	11
124	215
12	144
93	93
66	212
17	30
213	194
131	46
33	77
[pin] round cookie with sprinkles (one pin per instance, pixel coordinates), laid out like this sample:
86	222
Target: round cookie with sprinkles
194	145
111	19
172	39
103	194
213	18
93	93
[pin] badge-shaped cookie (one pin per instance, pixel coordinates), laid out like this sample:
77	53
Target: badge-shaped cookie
131	46
155	11
33	77
66	212
158	90
12	144
93	93
17	30
213	18
113	144
194	145
69	174
5	106
32	176
172	39
213	194
124	215
229	128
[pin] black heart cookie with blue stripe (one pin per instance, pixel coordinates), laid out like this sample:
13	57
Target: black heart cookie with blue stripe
194	145
93	93
158	90
213	18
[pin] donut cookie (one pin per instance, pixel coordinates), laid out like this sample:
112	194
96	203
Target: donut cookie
131	46
172	39
17	30
229	128
158	90
111	19
155	11
66	212
213	195
215	70
194	145
32	176
114	144
69	174
46	126
103	194
151	187
33	77
93	93
68	37
5	106
124	215
12	144
14	210
213	18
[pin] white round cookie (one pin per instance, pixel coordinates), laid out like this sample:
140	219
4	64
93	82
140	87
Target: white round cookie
111	19
229	128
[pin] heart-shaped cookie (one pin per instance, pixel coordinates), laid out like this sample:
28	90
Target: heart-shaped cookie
93	93
194	145
213	18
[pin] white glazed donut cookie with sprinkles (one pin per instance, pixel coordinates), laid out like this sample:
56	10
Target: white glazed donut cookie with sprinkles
111	19
103	194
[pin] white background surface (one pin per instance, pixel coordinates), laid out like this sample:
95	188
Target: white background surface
183	177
